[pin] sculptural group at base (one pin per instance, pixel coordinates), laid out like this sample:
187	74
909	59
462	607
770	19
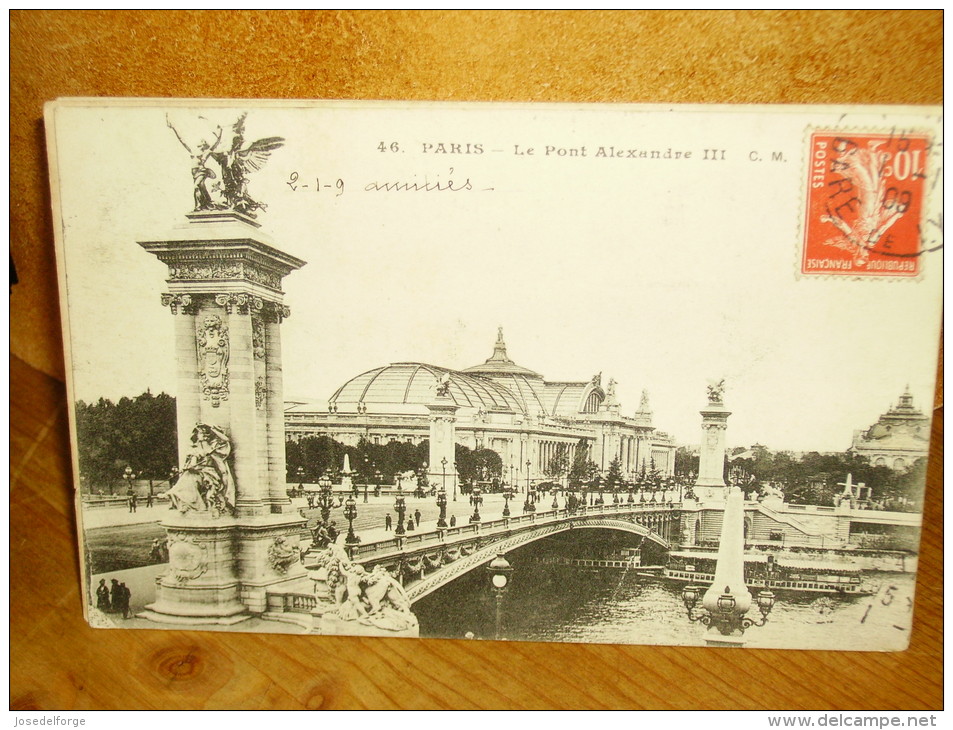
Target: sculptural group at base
364	603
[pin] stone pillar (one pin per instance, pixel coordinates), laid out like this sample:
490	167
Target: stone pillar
729	572
711	466
225	292
442	439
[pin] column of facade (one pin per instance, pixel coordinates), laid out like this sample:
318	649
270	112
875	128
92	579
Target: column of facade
269	397
249	439
188	410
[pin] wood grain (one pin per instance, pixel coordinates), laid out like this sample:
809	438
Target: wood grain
58	662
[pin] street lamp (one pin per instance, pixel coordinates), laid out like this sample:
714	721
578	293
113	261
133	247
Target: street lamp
350	514
442	504
529	503
367	476
128	476
453	466
400	507
555	503
326	499
507	496
724	618
499	570
477	500
443	463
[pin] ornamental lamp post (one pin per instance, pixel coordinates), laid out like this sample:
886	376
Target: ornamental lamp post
527	474
555	503
499	571
529	503
443	463
477	500
350	514
326	499
507	496
128	476
724	611
377	483
442	504
453	466
400	507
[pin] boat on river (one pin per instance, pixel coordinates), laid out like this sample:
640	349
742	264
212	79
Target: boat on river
766	571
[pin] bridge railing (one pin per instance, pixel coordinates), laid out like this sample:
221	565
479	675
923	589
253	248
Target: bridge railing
501	525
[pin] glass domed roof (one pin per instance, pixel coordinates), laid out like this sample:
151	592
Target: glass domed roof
414	384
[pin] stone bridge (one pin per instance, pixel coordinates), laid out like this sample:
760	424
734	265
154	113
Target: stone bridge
425	562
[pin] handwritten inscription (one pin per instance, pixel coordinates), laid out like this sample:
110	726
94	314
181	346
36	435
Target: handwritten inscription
315	184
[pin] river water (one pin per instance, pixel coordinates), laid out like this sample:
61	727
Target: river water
572	604
563	603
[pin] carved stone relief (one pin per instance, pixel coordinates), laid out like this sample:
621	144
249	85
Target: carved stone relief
213	352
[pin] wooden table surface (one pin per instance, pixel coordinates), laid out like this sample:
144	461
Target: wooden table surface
58	662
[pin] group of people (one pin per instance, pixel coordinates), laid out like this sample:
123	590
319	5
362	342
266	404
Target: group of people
412	522
132	499
113	599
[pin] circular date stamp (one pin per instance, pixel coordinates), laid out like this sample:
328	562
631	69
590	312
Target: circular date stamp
864	204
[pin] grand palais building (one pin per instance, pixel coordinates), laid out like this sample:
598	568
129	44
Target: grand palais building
501	406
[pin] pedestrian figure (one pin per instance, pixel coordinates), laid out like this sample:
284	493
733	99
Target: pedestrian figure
410	525
149	499
417	517
132	503
125	596
453	520
388	522
156	552
115	595
102	596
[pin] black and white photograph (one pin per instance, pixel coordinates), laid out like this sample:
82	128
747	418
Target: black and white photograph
625	374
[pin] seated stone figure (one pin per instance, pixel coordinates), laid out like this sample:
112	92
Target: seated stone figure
374	599
206	483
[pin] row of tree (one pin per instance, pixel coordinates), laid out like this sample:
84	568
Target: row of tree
139	433
307	459
815	478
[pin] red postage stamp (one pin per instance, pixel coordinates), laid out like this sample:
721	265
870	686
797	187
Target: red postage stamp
864	202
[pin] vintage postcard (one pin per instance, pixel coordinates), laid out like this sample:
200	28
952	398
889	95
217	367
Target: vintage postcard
626	374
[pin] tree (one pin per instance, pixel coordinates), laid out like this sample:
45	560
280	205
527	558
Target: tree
558	463
582	468
614	476
136	432
685	461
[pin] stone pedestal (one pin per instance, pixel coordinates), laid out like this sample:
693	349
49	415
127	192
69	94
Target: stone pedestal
710	485
224	290
442	440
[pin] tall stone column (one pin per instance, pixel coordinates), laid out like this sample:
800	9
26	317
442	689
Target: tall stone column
230	538
442	439
710	483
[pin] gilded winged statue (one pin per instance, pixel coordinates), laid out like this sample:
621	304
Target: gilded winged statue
230	191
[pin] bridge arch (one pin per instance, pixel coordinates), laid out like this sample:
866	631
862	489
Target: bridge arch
510	541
